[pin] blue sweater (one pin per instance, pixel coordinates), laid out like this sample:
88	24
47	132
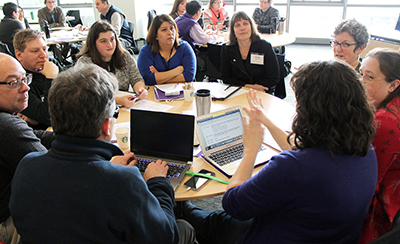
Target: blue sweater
84	198
184	56
306	196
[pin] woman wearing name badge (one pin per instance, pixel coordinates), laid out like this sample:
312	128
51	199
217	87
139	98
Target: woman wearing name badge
103	48
247	60
214	15
380	72
319	191
164	58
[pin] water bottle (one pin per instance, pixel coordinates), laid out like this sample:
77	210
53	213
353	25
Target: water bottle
203	102
46	29
282	25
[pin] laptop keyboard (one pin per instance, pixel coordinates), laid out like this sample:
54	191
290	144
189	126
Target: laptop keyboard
174	170
229	155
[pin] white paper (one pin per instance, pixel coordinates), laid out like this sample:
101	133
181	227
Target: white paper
149	106
167	88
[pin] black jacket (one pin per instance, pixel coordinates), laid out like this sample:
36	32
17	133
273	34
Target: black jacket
239	72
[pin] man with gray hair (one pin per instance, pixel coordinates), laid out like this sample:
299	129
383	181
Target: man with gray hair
17	138
84	188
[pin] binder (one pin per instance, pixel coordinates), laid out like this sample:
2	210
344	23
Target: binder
160	95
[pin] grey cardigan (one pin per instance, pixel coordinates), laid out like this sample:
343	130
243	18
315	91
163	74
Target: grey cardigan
125	76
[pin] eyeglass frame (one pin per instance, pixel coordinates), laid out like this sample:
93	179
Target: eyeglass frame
369	78
116	112
27	78
346	45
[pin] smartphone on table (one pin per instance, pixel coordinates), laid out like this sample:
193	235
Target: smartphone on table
196	182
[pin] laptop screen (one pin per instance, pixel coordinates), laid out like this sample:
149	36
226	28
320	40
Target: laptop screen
165	135
220	130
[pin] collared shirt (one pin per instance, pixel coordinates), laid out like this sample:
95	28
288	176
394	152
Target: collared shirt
55	18
117	21
200	37
264	19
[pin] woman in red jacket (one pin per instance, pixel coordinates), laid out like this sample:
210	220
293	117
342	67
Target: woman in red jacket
380	72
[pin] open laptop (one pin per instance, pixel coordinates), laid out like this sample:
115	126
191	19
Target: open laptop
165	136
220	137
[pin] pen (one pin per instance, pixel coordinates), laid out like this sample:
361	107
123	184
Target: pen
227	87
207	176
130	99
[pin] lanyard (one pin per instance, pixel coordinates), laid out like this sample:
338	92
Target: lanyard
166	64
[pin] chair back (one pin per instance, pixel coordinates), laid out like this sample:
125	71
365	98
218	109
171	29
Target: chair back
4	49
151	15
393	235
213	64
77	20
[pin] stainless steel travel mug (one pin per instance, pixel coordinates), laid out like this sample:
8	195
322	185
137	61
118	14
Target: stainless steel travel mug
203	102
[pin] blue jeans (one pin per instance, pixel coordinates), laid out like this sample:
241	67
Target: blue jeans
215	226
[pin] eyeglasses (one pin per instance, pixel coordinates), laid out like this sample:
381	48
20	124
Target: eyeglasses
367	78
217	3
51	2
343	45
16	83
116	112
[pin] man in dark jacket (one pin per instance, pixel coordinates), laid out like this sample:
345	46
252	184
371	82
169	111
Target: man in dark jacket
16	138
85	189
31	51
9	25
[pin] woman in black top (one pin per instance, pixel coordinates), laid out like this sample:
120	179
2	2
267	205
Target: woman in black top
247	60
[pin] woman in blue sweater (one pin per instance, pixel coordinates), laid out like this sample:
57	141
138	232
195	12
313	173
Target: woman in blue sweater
317	192
165	59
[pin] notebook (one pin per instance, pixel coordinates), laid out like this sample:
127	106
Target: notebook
165	136
221	142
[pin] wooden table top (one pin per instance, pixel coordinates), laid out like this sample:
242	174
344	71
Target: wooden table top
280	112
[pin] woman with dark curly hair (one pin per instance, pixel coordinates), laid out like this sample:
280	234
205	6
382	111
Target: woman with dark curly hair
319	191
381	75
103	48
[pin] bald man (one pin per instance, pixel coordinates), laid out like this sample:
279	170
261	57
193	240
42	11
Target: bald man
17	138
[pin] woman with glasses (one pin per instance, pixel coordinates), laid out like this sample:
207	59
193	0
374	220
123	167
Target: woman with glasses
349	39
380	72
103	48
215	15
247	60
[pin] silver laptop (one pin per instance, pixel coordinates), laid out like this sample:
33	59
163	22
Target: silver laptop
165	136
220	137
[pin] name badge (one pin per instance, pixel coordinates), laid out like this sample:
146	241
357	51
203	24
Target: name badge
257	58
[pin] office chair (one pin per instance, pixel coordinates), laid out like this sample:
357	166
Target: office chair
280	90
393	235
151	15
77	20
4	49
213	64
135	47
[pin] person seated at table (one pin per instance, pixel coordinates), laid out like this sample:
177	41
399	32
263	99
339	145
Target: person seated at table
350	38
9	25
85	189
179	8
53	14
380	72
319	191
17	138
164	58
21	17
247	60
31	51
215	13
117	19
266	17
191	31
103	48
